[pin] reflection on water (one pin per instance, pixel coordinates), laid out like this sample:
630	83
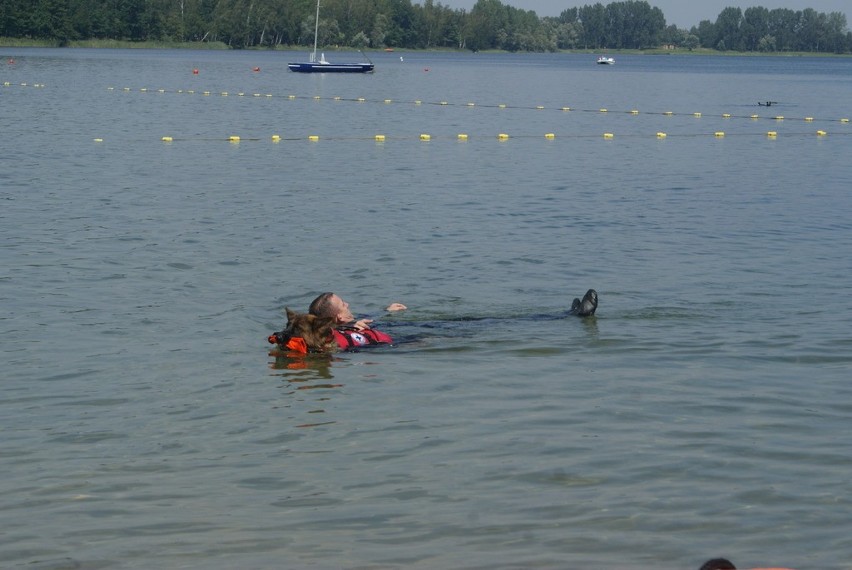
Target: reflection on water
302	367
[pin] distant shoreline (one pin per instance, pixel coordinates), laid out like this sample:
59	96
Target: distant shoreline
219	46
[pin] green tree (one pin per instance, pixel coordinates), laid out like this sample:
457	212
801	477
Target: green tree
593	19
728	31
706	33
766	43
755	26
783	26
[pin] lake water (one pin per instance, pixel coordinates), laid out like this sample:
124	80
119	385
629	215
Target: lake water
703	412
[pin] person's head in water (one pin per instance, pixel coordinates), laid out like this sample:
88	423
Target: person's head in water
331	305
718	564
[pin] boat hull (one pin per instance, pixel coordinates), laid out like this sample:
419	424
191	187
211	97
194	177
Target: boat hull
316	67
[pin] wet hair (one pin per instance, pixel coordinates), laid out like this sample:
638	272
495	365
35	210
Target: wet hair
321	306
718	564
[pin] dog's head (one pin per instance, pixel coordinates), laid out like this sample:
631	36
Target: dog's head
306	333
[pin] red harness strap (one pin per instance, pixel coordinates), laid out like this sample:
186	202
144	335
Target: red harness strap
350	338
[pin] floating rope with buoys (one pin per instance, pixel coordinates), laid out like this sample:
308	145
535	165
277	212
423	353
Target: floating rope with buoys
499	137
470	104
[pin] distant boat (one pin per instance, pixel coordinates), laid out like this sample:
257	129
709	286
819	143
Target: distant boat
323	66
604	60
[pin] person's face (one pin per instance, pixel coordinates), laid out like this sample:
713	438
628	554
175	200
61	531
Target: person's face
341	310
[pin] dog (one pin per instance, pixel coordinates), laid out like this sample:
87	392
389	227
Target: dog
306	333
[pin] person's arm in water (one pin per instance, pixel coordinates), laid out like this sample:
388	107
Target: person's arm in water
362	324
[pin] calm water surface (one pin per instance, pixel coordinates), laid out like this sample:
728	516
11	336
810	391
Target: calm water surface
703	412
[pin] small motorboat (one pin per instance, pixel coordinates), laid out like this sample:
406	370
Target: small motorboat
604	60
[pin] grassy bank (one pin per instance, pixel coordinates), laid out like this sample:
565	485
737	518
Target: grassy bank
112	44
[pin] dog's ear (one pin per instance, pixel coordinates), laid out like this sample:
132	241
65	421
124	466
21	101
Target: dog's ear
290	314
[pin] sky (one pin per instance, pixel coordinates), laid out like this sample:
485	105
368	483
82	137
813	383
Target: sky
682	13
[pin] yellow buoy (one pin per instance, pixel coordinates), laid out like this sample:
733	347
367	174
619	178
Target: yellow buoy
754	117
291	96
224	93
608	135
276	138
444	103
566	108
313	138
779	118
540	107
772	134
726	115
388	101
809	119
336	98
380	138
502	105
418	102
550	136
661	135
462	137
719	134
234	138
602	110
471	104
361	99
425	137
98	140
821	133
668	113
844	120
503	137
696	114
634	111
167	139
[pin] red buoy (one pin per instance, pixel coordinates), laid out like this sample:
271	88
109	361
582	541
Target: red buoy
195	71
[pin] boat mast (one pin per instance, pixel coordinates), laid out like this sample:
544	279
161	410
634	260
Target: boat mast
316	34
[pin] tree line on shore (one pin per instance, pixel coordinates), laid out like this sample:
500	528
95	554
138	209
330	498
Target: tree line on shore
377	24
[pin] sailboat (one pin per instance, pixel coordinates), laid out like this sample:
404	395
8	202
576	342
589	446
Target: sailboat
323	66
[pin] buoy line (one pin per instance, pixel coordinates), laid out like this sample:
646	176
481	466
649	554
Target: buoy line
500	137
470	105
22	84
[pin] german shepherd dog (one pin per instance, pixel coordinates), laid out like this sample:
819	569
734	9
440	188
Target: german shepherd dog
316	332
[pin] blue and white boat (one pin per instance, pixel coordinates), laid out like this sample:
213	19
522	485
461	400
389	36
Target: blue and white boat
323	66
